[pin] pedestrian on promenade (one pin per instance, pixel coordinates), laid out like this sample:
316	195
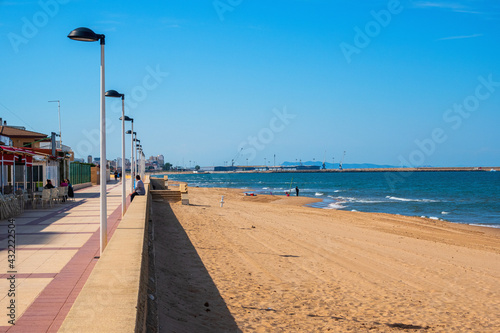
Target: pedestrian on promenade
139	188
71	193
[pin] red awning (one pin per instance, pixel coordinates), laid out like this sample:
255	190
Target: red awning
17	150
21	156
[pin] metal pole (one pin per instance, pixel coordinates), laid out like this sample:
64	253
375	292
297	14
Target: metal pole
123	157
59	112
103	210
143	165
14	175
135	157
132	159
25	180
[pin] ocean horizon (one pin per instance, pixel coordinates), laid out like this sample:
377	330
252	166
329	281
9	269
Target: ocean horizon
461	197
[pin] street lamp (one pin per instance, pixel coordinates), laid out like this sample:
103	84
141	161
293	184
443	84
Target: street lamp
116	94
127	118
137	141
135	156
139	161
87	35
131	132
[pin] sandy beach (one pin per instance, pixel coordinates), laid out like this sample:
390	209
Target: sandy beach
269	264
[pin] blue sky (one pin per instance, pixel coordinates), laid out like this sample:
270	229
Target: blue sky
410	82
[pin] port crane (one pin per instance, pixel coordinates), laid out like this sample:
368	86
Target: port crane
341	161
236	157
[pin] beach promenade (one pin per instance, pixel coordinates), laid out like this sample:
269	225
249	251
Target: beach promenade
55	254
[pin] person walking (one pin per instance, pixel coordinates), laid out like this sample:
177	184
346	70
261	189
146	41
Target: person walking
297	191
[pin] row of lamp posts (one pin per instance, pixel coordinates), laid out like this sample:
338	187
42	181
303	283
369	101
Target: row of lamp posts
87	35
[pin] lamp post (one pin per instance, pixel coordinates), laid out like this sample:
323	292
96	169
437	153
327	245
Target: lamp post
135	156
87	35
59	113
142	159
127	118
137	144
139	157
116	94
139	161
131	132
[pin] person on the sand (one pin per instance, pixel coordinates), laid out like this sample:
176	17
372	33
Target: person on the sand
296	190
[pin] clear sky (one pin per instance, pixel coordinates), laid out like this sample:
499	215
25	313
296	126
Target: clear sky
410	82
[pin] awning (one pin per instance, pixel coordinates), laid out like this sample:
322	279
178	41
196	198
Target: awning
48	153
21	156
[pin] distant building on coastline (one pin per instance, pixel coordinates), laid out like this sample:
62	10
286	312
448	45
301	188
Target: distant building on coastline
260	168
161	160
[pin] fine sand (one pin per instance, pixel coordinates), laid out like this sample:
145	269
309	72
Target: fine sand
268	264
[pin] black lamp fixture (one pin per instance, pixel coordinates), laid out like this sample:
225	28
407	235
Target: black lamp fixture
113	93
85	35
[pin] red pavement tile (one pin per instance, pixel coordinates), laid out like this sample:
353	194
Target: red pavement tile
47	312
30	275
46	248
38	326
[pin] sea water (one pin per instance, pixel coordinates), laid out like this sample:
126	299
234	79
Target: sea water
462	197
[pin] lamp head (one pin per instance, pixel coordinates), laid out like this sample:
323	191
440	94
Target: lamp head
113	93
85	35
128	132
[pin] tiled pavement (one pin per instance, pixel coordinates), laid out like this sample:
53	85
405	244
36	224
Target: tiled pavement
55	250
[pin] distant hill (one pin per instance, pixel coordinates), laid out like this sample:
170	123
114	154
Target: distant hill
344	166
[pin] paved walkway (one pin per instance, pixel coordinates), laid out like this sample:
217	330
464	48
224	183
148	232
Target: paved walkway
55	250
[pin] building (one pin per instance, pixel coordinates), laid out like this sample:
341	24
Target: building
25	161
161	160
20	137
